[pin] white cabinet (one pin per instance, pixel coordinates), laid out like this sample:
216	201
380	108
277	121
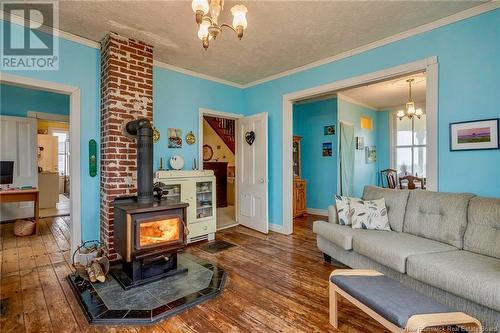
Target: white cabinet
197	188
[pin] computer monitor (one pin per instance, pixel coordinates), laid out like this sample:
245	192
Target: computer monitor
6	172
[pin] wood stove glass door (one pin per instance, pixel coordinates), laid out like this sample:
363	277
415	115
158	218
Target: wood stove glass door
158	231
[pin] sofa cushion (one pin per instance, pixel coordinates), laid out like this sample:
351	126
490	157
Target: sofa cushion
332	214
393	248
340	235
395	201
466	274
482	234
437	215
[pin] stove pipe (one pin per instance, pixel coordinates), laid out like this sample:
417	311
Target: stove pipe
143	131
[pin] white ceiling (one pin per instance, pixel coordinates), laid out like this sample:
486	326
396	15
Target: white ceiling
281	35
389	94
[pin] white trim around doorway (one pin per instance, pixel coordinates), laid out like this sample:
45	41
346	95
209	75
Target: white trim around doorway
429	65
74	125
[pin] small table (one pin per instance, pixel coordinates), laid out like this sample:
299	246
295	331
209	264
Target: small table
7	196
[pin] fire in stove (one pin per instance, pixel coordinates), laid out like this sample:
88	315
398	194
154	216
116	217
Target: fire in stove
157	232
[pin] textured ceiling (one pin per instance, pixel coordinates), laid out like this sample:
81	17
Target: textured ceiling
281	35
389	93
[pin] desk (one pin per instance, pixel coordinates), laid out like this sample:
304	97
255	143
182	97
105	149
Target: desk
7	196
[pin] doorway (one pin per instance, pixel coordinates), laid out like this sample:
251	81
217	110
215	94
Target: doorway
74	160
218	153
429	66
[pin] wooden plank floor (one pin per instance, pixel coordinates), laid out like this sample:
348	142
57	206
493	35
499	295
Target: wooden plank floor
276	283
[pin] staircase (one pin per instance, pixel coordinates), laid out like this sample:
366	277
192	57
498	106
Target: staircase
225	129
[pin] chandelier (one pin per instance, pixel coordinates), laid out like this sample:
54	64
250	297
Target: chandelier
208	25
410	110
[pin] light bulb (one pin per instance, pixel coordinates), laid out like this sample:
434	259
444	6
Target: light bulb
203	30
200	5
419	113
400	114
239	16
410	108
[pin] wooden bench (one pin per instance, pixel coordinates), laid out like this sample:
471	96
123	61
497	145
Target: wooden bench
398	308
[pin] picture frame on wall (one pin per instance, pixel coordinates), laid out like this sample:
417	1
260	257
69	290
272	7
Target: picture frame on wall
474	135
327	149
174	138
371	154
329	130
360	143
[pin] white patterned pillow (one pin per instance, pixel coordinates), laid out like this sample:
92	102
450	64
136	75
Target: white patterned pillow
343	209
370	214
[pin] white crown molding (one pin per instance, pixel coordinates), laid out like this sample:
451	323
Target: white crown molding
196	74
474	11
355	101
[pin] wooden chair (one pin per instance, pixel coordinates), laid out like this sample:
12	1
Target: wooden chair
390	176
411	182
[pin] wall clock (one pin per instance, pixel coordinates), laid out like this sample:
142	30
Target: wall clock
208	153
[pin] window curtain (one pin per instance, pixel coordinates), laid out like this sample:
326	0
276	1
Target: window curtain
346	159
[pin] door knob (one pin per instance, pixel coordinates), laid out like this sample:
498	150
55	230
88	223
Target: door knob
261	180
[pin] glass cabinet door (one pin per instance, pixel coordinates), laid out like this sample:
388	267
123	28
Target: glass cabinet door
174	193
204	199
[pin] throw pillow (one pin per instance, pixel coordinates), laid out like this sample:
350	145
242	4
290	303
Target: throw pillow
370	214
343	209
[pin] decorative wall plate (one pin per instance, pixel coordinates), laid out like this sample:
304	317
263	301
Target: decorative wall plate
176	162
190	138
207	153
156	135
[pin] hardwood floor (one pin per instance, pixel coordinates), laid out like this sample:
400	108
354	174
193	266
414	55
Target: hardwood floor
276	283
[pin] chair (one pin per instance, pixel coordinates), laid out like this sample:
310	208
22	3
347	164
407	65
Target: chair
390	176
411	182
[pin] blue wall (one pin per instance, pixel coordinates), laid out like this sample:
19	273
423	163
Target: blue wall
17	101
176	99
364	173
383	141
319	172
468	53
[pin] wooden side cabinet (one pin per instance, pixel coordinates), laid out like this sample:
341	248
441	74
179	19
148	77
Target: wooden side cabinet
299	197
299	184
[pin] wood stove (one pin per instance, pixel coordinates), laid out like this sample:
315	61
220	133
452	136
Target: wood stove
147	233
147	237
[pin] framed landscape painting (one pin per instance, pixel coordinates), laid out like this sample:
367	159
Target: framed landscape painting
472	135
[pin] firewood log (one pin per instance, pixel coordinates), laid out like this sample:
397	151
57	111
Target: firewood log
91	273
99	274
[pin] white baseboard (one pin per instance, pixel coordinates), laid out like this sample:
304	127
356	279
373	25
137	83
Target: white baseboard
276	228
317	211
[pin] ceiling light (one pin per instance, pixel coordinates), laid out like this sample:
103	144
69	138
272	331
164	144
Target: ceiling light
410	110
209	27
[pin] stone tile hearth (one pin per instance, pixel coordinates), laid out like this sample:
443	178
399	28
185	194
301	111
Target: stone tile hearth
109	303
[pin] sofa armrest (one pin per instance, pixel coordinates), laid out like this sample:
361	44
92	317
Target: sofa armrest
332	214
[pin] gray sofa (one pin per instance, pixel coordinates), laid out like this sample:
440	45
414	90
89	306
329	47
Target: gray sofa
445	245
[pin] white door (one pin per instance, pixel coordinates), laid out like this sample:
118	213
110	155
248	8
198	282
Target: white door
252	172
18	144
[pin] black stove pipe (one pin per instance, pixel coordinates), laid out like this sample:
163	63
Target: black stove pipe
143	131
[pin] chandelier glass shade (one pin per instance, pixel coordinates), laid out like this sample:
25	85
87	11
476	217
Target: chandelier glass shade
207	17
410	111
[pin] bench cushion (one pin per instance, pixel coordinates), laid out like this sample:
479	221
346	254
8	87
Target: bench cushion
340	235
388	298
483	229
395	201
437	215
466	274
393	248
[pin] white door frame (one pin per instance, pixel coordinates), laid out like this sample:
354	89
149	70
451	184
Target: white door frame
74	127
429	65
228	115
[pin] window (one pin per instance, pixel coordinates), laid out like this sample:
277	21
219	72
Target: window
62	151
409	146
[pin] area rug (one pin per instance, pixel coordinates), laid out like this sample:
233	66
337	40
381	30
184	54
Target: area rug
216	246
109	303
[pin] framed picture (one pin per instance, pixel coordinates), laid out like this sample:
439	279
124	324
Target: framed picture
473	135
371	154
360	143
329	130
327	149
174	138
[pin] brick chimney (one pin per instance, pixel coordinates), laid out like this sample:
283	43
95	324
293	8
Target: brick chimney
126	94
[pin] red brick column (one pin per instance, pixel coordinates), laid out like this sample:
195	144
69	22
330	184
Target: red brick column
126	94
